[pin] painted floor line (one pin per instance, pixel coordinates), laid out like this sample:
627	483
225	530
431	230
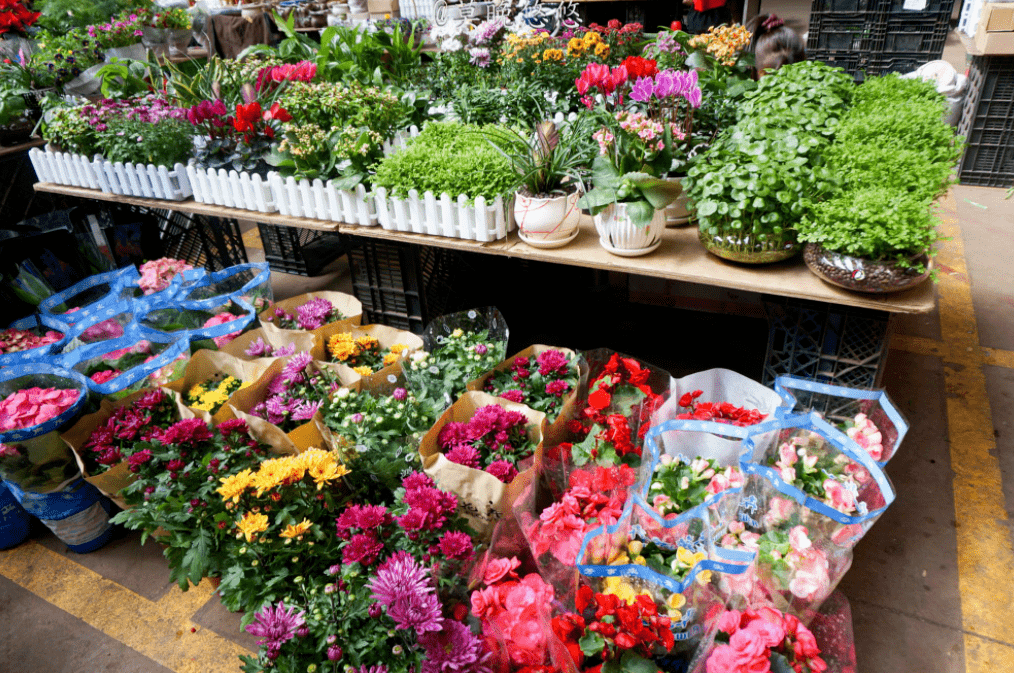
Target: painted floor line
993	357
941	625
984	550
161	631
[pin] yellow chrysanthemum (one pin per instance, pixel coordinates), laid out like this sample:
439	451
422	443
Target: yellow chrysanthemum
390	359
575	44
251	524
277	471
398	349
234	486
602	50
363	370
197	391
367	341
245	384
342	346
322	466
295	530
591	37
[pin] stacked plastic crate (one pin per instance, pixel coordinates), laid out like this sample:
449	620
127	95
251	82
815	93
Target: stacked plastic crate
873	37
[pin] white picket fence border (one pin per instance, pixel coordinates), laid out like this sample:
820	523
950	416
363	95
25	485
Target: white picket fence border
322	201
232	189
63	168
153	182
444	216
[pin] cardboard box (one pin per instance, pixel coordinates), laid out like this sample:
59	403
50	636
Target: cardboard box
995	33
382	6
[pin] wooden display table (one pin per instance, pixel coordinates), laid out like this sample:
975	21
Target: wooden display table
808	309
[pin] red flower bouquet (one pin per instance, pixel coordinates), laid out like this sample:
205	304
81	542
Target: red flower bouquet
763	639
15	17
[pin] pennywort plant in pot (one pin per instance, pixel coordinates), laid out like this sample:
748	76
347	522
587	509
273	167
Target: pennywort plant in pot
630	192
896	156
549	165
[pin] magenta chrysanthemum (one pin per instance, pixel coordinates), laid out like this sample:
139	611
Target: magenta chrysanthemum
362	548
295	366
305	410
416	480
552	362
277	625
466	455
456	545
558	388
454	649
406	590
503	470
313	314
513	396
187	431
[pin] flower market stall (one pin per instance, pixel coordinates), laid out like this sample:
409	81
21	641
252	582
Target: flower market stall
377	500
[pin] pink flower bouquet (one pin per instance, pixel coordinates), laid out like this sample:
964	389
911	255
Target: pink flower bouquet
761	640
157	274
33	406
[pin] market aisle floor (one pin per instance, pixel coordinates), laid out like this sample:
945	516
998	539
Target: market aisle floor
931	585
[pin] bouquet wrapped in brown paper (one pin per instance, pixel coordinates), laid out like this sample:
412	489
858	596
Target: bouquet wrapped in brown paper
307	312
367	350
544	378
102	442
482	449
211	379
282	408
258	344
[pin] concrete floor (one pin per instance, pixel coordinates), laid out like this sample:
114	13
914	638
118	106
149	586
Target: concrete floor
931	586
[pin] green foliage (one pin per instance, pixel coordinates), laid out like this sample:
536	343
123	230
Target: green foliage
895	155
166	143
452	158
61	16
808	96
547	157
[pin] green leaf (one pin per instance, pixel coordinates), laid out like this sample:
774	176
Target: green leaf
640	213
635	663
597	199
604	174
779	664
592	644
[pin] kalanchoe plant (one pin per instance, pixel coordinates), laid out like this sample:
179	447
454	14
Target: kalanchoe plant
175	491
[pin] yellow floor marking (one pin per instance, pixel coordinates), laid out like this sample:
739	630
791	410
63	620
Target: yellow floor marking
993	357
158	630
999	358
985	552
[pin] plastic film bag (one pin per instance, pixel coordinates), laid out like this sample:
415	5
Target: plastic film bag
868	417
250	282
89	297
211	327
41	326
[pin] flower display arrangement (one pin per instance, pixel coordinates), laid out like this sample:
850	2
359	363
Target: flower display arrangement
279	510
716	412
13	340
724	43
211	394
613	422
806	461
315	313
379	434
363	352
494	439
678	486
143	421
763	639
440	376
295	395
258	348
387	603
33	406
177	478
542	385
158	273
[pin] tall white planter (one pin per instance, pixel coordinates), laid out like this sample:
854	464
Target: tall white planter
679	212
620	236
444	216
231	189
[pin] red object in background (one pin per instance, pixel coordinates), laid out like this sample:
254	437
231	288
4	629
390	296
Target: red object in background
705	5
676	25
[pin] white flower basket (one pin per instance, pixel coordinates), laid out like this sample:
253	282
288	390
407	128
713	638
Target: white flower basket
320	201
444	217
231	189
63	168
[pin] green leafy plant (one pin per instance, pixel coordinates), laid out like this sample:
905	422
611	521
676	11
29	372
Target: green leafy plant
548	161
448	158
61	16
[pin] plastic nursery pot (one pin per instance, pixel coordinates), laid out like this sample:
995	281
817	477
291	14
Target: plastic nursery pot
864	275
739	246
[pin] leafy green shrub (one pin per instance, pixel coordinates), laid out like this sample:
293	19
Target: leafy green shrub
452	158
807	97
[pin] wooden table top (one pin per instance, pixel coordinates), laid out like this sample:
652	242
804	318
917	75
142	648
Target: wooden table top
680	257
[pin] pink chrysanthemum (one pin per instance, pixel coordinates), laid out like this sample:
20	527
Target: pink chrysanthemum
406	590
456	545
503	470
362	548
453	649
276	626
463	454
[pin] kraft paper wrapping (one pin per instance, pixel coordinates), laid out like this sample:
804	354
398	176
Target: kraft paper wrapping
556	432
276	336
482	498
111	482
301	438
387	336
207	363
237	348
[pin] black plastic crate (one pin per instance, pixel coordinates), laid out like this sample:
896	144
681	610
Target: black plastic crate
987	122
913	36
897	62
825	343
937	8
401	284
855	64
853	33
300	251
821	8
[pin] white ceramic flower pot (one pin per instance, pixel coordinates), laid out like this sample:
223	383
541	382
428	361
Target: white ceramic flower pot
679	211
547	221
620	236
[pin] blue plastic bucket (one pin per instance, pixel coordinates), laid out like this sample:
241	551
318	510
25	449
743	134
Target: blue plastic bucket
15	522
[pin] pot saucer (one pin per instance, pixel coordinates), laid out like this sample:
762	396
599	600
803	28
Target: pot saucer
622	252
546	245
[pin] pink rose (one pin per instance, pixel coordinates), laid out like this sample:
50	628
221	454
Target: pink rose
527	638
737	527
750	540
848	535
499	568
799	539
486	603
735	477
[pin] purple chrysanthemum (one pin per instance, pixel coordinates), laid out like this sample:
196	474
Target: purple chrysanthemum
276	625
480	57
295	366
406	590
416	480
454	649
285	350
305	410
278	385
258	348
313	314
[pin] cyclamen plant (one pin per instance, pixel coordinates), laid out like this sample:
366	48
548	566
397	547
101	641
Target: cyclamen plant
315	313
542	385
175	491
494	439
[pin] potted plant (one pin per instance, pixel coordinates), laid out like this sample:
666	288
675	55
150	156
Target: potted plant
629	195
15	19
18	114
548	164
